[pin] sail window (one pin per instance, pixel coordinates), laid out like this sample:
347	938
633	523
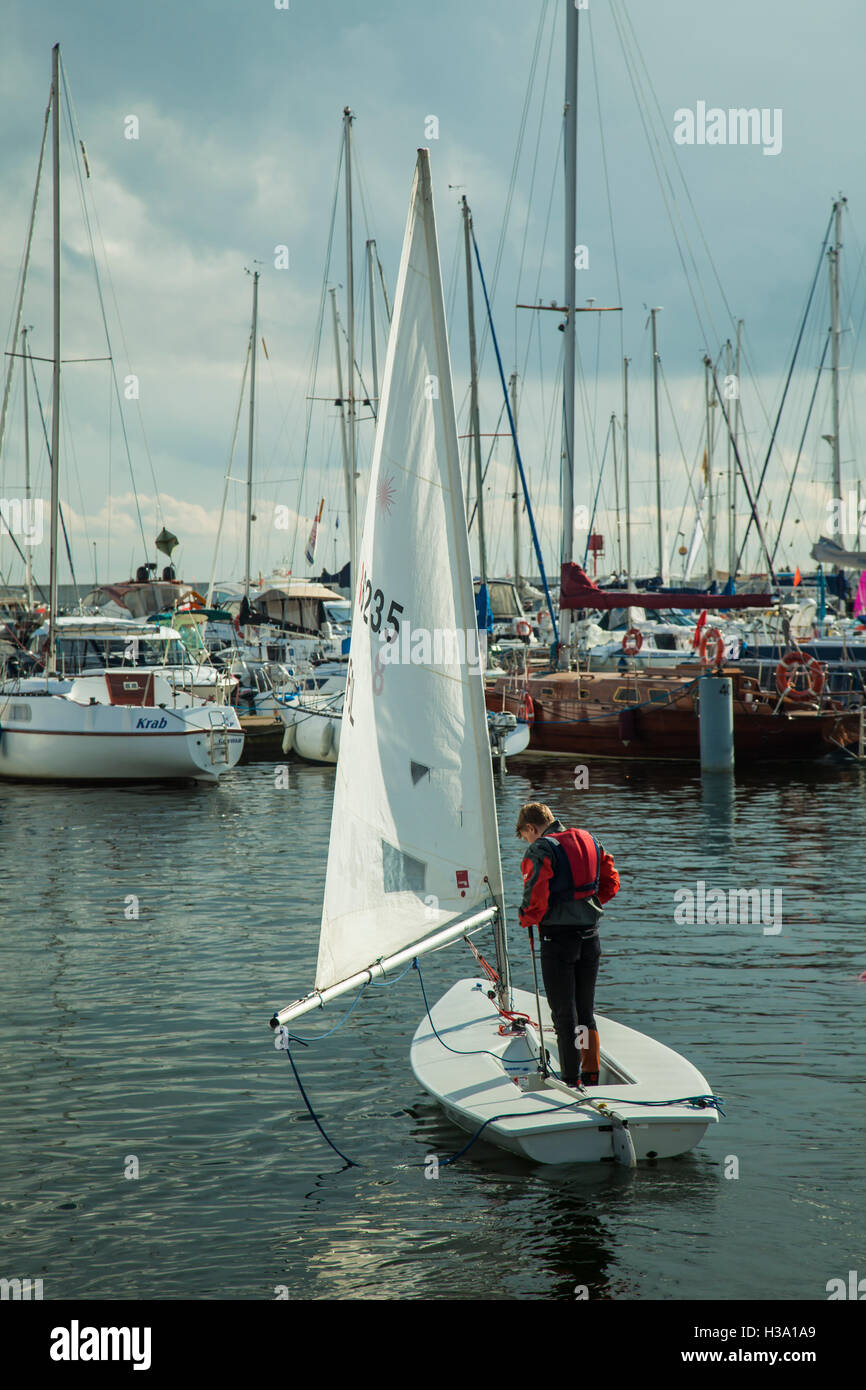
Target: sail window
402	873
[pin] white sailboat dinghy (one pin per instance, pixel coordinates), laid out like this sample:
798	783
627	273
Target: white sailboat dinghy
414	862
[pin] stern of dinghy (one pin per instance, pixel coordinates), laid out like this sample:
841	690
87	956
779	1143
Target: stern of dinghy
490	1082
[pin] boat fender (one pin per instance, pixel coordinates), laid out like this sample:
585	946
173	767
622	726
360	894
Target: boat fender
632	641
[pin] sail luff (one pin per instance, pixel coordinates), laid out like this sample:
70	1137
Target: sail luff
413	833
463	572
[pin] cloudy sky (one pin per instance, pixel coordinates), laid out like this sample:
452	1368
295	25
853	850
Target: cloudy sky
238	111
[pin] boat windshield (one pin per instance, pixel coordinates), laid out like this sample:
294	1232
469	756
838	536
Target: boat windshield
504	602
92	653
339	613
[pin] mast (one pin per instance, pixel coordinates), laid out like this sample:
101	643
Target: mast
711	516
29	560
835	275
473	410
251	436
341	400
730	476
515	515
350	325
653	313
51	663
735	443
370	245
19	306
625	362
616	494
570	150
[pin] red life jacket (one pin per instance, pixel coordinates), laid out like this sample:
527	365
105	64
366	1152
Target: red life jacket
578	865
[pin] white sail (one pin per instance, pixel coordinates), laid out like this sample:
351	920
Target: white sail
414	842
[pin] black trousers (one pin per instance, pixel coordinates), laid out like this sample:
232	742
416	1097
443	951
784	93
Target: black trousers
569	967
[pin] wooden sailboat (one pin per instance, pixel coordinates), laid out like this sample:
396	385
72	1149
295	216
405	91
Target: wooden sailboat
414	861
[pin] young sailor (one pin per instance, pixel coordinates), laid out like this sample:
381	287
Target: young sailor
567	876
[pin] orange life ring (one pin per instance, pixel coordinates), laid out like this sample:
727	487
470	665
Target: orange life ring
526	709
632	641
786	675
708	634
523	629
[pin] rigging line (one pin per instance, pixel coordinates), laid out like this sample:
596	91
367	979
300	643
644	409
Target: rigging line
530	82
802	442
606	186
314	363
10	535
513	429
785	391
676	165
535	327
597	490
676	429
486	466
77	167
529	200
72	119
846	399
69	448
652	138
15	323
51	464
690	472
228	471
554	183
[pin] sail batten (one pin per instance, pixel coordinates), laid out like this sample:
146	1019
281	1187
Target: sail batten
414	844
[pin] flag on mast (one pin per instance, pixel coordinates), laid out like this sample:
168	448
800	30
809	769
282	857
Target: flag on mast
310	552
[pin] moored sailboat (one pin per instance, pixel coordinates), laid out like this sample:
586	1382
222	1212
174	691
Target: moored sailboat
117	725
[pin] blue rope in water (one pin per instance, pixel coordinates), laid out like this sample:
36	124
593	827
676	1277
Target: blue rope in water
305	1042
350	1162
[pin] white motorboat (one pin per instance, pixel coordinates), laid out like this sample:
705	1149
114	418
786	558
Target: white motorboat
125	725
413	861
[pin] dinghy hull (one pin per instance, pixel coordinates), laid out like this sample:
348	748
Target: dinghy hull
543	1124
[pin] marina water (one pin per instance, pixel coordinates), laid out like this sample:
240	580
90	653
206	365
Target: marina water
155	1145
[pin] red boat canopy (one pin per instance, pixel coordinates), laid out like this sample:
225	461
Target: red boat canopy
578	591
